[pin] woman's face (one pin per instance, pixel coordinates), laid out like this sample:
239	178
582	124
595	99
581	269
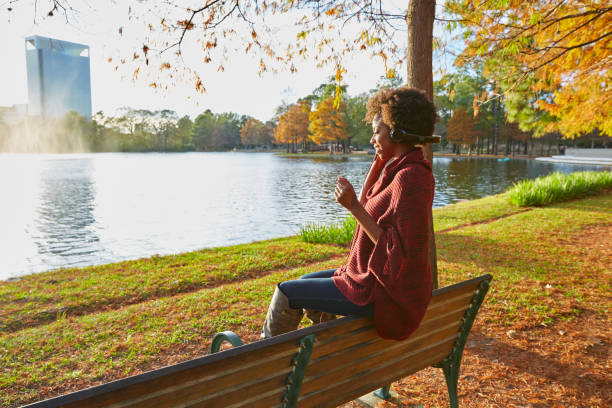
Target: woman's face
381	141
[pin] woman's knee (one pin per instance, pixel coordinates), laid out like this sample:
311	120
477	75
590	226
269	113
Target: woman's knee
319	274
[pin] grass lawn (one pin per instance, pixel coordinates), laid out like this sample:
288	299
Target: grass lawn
541	338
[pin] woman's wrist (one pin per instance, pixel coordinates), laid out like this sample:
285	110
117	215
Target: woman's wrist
366	221
356	207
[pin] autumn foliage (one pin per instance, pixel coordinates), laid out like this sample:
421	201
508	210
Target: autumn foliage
461	128
292	128
327	123
550	58
254	132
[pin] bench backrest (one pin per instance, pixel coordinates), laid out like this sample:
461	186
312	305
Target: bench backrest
348	360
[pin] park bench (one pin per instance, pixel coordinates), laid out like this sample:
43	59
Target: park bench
323	365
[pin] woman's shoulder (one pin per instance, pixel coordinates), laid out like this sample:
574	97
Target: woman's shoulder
413	170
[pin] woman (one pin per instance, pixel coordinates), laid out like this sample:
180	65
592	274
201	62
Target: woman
387	274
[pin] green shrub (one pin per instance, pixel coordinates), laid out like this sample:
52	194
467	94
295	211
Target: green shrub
559	187
336	233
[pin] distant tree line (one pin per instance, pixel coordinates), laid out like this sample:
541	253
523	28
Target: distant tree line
132	130
315	120
471	121
324	119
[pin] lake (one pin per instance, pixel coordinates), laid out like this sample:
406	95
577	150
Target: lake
84	209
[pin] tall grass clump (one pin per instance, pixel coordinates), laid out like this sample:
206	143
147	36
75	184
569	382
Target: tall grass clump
335	233
559	187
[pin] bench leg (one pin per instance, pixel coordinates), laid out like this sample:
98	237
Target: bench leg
451	364
451	373
383	392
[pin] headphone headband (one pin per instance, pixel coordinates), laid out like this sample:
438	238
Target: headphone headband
414	137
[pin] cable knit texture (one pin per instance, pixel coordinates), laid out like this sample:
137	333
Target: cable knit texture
394	273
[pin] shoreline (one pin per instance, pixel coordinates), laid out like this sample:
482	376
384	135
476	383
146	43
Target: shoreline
435	154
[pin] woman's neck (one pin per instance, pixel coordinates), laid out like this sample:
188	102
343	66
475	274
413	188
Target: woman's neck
402	148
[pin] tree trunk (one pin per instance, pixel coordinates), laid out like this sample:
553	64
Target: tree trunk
541	147
495	125
549	147
419	21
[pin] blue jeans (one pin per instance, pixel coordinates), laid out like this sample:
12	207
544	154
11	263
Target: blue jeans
317	291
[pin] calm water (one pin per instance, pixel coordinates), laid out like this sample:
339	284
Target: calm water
74	210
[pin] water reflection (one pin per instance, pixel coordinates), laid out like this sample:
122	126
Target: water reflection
65	223
466	179
307	192
66	210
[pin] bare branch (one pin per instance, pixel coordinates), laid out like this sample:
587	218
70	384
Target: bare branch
188	26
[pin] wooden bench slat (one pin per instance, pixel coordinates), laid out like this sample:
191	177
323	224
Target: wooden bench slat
349	354
372	355
266	402
345	390
200	374
230	382
454	312
252	392
332	401
445	304
440	295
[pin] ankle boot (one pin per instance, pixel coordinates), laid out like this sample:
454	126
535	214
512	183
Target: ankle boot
318	317
280	317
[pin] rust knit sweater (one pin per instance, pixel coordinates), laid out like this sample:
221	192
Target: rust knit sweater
394	273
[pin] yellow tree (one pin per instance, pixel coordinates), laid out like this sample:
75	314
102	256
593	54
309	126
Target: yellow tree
292	127
551	58
327	123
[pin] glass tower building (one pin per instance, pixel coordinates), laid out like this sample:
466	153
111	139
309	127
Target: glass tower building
58	77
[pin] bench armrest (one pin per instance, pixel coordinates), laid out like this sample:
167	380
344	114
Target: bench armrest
222	337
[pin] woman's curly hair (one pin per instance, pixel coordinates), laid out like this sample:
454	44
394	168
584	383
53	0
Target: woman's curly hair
404	108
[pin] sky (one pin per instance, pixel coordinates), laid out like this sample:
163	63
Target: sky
238	88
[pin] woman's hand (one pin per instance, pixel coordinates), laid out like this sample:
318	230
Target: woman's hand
379	163
345	194
373	174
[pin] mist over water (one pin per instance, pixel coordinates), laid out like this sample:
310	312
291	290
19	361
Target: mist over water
35	135
60	210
